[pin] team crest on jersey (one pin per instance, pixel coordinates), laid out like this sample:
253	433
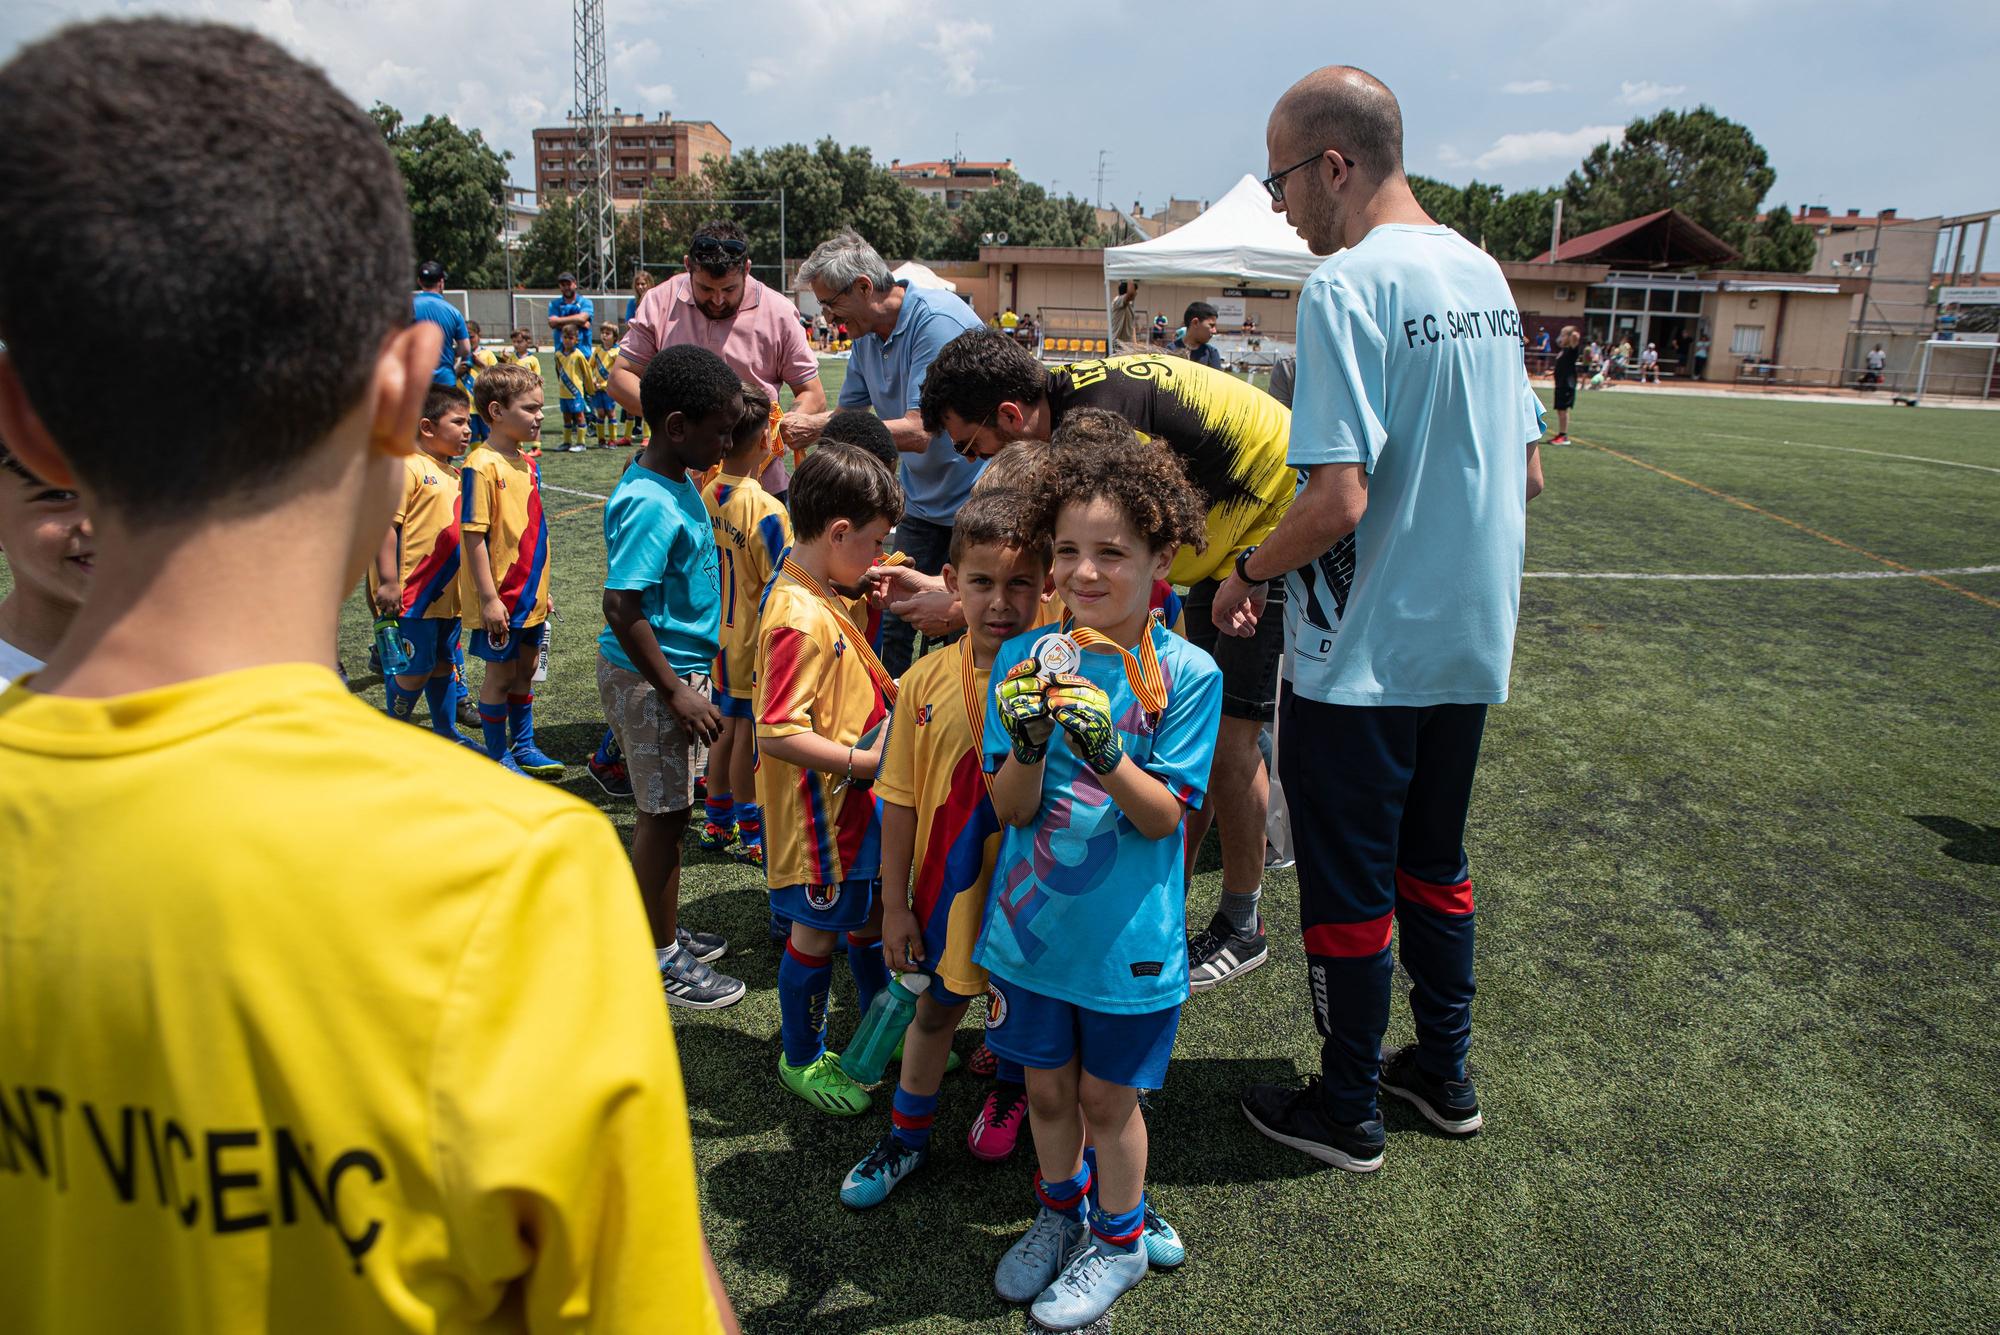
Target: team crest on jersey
996	1007
839	645
822	897
923	716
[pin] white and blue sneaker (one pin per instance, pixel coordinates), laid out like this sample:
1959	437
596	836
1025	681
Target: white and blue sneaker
1037	1257
870	1181
1096	1277
1164	1250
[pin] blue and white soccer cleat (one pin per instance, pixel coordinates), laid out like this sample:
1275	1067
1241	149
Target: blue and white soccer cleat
1096	1277
1034	1261
870	1181
533	760
1164	1250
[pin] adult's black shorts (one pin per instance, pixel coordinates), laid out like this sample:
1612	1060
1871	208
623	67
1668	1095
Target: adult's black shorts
1249	663
1566	396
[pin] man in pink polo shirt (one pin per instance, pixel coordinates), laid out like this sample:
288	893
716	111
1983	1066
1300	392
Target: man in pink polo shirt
717	305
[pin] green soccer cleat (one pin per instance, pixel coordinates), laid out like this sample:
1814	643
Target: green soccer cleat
825	1086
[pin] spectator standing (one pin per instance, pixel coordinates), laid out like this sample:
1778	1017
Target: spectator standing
1878	360
1123	315
715	303
642	282
1701	355
1565	382
899	331
1402	556
570	309
429	305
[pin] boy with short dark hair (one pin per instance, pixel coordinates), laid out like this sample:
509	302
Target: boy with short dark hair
49	547
939	836
329	975
662	613
859	426
752	533
416	571
468	380
1099	742
820	699
505	570
575	379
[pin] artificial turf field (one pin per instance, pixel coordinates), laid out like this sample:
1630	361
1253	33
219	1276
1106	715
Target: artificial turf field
1736	846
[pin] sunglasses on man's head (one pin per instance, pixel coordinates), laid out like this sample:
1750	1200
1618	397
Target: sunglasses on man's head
717	245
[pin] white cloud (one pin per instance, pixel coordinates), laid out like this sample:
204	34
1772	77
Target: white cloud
656	96
1511	150
958	44
1450	157
1530	87
1647	93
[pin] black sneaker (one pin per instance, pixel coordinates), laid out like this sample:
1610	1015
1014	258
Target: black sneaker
1297	1118
1451	1106
704	946
612	778
1219	953
686	981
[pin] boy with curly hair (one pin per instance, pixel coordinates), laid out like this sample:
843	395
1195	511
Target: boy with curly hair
1085	950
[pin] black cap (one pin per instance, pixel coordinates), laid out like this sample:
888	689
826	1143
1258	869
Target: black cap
430	272
565	277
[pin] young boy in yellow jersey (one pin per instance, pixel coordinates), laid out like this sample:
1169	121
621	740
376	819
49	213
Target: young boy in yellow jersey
505	571
820	699
47	542
752	534
576	377
480	359
603	412
522	354
416	571
939	836
1099	742
322	999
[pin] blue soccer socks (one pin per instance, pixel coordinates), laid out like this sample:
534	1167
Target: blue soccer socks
493	727
401	702
441	694
803	982
910	1118
1121	1231
871	974
749	818
1067	1197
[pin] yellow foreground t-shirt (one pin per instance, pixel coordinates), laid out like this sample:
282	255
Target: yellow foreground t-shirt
312	1021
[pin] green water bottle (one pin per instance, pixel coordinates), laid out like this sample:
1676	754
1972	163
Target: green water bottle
882	1028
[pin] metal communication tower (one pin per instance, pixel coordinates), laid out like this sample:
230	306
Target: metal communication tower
597	269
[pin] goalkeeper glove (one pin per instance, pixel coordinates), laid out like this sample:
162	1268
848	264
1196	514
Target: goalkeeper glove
1024	713
1084	711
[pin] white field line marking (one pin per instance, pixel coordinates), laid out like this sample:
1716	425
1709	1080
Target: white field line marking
571	491
1849	449
1729	579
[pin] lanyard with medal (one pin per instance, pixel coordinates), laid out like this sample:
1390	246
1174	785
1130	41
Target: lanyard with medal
884	683
1061	651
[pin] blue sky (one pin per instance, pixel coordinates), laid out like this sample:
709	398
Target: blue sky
1858	106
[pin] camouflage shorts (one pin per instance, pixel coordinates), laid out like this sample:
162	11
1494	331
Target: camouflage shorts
658	752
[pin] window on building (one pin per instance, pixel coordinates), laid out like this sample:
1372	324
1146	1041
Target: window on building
1598	299
1747	341
1689	303
663	141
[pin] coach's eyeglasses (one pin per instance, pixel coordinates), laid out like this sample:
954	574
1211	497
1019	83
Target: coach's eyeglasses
969	447
1275	182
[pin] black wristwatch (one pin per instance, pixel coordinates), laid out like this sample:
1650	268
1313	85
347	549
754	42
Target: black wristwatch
1243	559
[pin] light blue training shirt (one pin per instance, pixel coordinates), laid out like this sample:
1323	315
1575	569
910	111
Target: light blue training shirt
1410	365
659	541
1082	907
887	374
435	309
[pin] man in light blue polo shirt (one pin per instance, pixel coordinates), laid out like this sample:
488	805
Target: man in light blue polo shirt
1415	428
570	309
429	304
899	330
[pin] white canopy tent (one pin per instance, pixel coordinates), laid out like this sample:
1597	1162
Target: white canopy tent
921	275
1237	242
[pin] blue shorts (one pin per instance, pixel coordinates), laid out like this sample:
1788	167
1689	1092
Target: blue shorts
1044	1033
429	641
572	407
528	638
734	706
831	908
601	402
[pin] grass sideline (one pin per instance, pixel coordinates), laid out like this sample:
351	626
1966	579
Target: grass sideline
1737	854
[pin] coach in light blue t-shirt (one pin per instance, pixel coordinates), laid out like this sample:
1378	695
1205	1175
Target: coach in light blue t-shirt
429	305
898	332
1415	429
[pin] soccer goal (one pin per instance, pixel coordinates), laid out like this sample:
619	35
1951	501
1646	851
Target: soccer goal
530	311
1962	367
457	296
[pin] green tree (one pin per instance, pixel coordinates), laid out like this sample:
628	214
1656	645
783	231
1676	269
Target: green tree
1699	162
1027	213
1509	227
672	213
549	247
827	187
1776	244
457	188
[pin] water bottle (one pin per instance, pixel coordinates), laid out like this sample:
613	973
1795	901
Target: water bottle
882	1028
389	647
